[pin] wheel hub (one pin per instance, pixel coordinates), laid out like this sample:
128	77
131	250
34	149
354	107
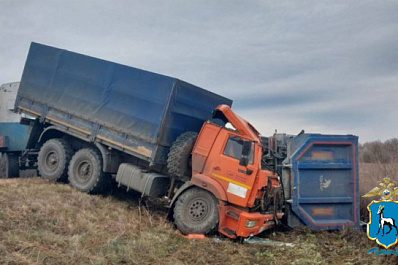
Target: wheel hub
84	171
51	160
198	209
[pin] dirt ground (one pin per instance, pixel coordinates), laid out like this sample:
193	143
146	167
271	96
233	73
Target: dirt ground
42	222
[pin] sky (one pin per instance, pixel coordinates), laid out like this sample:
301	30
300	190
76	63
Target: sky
323	66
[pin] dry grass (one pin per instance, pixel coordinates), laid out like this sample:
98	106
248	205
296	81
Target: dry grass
42	222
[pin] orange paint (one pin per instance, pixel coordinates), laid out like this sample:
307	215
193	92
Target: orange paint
321	211
195	236
236	186
234	219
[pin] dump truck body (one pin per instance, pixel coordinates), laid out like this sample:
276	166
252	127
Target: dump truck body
320	178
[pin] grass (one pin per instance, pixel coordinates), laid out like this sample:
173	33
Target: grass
42	222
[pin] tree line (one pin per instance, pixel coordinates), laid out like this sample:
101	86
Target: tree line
379	152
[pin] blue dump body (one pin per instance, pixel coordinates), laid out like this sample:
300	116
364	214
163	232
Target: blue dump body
13	136
323	180
135	111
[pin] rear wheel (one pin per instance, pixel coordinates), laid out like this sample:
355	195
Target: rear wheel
53	159
9	166
85	171
196	212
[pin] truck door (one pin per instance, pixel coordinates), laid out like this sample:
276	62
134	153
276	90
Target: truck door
224	167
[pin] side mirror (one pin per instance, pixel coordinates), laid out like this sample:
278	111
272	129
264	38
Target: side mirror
244	160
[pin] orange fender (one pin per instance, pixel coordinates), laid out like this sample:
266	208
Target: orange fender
210	184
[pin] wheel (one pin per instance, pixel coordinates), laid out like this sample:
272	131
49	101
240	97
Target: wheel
9	166
278	203
278	200
85	171
2	166
266	199
196	212
179	158
53	159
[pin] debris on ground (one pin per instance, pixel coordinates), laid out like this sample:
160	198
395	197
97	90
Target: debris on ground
266	241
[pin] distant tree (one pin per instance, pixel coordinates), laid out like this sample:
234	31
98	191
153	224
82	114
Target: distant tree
384	155
391	147
377	151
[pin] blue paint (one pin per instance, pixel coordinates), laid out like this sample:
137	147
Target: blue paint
17	136
130	106
325	191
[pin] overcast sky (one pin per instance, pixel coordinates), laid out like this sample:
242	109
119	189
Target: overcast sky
323	66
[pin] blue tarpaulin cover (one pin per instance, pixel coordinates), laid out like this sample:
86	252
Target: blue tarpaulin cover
148	106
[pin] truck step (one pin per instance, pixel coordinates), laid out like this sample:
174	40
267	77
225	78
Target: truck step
229	231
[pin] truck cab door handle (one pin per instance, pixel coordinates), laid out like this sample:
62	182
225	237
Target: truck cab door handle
247	171
216	168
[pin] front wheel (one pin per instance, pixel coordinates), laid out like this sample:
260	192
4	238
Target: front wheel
196	212
85	171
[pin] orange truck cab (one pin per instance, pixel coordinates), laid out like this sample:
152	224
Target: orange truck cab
226	161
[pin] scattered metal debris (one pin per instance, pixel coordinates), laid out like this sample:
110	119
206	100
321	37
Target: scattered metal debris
265	241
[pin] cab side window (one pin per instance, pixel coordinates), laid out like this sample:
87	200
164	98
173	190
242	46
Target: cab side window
234	147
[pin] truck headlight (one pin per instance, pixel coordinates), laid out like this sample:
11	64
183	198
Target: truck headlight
250	223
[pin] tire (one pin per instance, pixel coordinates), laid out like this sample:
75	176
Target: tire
278	204
53	159
9	166
196	212
85	171
179	158
2	166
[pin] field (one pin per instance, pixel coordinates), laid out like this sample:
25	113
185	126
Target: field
42	222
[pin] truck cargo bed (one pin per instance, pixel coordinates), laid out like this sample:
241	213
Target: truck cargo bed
132	110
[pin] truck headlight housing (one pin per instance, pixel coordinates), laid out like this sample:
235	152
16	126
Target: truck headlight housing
250	223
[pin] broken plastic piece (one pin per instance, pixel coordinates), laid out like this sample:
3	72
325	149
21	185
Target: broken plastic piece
195	236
